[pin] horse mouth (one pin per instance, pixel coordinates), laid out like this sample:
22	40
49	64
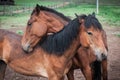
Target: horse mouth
27	48
101	58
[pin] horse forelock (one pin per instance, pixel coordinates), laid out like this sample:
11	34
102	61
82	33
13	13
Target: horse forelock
91	20
61	41
43	8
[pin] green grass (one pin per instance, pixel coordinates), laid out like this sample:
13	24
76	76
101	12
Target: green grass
118	35
25	4
19	32
34	2
82	9
107	14
20	20
111	14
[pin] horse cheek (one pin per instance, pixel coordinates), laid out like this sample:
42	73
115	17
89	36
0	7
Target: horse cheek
84	40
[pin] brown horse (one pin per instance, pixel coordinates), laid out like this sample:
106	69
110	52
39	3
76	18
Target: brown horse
52	57
45	15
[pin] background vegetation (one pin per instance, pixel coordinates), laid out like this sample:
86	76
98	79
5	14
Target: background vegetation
109	14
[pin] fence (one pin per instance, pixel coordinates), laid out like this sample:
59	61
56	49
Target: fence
11	10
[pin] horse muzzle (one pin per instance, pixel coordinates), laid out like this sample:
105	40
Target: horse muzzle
101	54
27	48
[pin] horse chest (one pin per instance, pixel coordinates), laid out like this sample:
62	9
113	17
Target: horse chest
42	71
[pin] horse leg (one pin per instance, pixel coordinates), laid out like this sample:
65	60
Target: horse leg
54	75
87	72
86	69
70	75
96	70
55	78
3	66
104	69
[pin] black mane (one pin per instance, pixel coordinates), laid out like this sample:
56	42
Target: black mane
59	42
92	20
52	11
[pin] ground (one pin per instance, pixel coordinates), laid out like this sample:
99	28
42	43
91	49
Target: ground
113	58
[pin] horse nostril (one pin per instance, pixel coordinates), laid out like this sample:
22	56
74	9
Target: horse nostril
103	56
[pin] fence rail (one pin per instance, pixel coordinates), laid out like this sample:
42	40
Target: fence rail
11	10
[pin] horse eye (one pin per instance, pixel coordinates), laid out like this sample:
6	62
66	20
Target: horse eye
90	33
29	24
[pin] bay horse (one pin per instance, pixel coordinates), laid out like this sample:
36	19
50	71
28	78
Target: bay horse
51	58
55	21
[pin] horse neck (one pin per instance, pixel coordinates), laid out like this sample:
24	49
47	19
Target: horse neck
59	22
62	20
72	50
63	42
1	45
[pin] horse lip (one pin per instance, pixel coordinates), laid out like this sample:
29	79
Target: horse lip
26	48
104	56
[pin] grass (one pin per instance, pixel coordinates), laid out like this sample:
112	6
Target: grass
19	32
118	35
21	19
25	4
34	2
82	9
7	22
108	14
111	14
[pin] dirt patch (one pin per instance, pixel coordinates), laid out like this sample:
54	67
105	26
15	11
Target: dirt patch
113	58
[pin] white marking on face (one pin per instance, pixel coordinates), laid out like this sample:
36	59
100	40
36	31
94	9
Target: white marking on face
99	52
25	46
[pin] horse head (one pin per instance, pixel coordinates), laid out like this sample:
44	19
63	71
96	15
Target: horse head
92	36
43	21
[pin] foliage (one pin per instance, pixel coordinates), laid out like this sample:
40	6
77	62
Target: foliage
118	35
34	2
19	32
107	14
111	14
18	20
70	10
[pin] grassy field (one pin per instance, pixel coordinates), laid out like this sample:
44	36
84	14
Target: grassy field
8	21
16	20
34	2
111	14
107	14
25	4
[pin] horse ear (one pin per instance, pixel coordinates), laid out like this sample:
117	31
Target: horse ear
37	8
93	14
76	15
81	20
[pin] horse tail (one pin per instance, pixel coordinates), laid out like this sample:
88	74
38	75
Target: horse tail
96	69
